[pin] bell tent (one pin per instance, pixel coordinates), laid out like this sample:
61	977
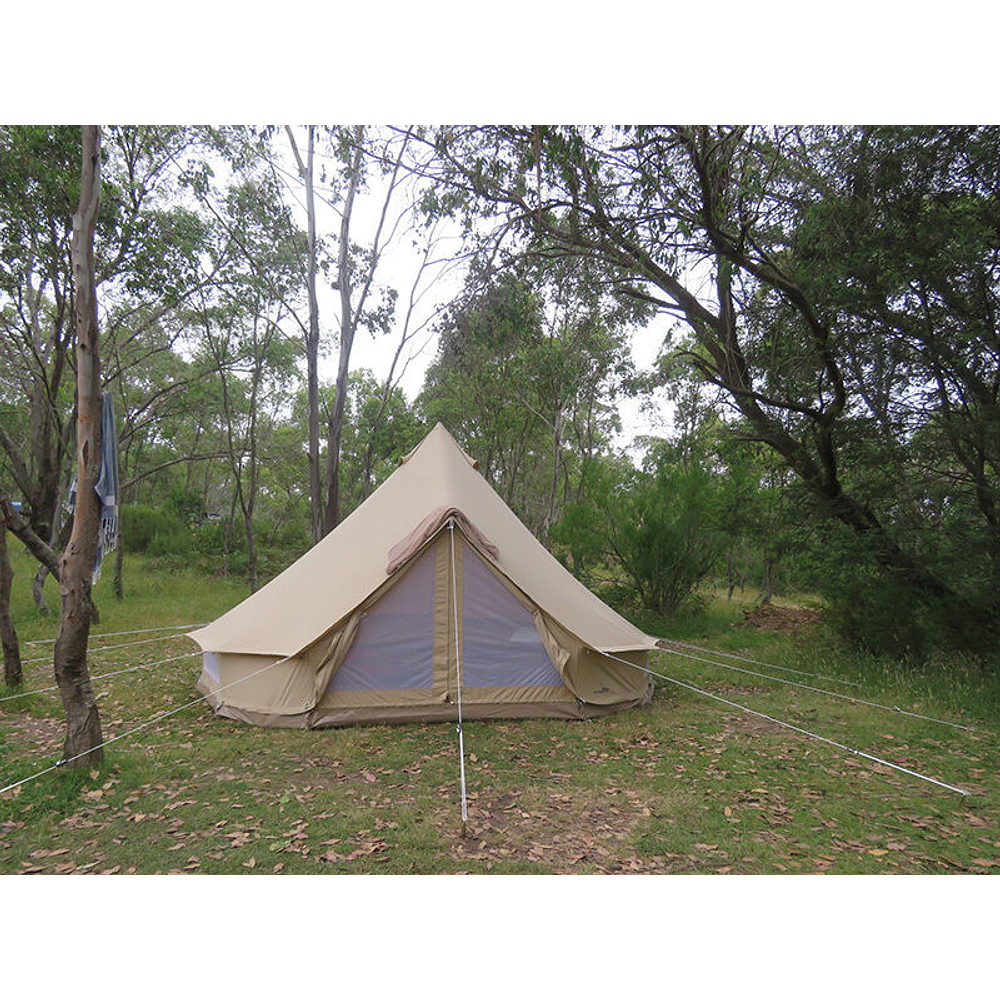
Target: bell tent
431	583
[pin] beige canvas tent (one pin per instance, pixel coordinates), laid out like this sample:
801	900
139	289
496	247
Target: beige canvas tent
431	580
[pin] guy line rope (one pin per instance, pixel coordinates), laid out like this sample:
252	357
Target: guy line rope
789	725
97	677
832	694
117	645
144	725
461	742
760	663
105	635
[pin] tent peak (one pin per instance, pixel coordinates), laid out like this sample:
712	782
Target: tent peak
439	436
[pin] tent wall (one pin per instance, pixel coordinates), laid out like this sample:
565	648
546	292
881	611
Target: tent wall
394	659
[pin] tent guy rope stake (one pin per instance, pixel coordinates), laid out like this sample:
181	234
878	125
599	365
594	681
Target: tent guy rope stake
458	675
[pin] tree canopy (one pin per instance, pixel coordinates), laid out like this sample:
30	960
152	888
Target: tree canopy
826	299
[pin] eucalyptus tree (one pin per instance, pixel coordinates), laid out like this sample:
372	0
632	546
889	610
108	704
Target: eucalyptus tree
242	343
411	339
480	384
902	236
306	168
808	266
379	428
12	673
582	357
530	360
254	365
357	161
82	745
146	250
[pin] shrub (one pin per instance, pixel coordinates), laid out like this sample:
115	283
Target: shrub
141	525
660	526
880	612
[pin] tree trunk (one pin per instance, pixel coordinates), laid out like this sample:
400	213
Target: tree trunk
76	567
553	486
767	587
251	552
312	338
36	545
119	564
12	674
38	591
347	326
312	355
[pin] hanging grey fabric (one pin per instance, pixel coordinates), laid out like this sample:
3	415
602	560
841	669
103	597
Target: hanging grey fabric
107	486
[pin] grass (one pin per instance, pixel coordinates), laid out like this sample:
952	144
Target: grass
684	785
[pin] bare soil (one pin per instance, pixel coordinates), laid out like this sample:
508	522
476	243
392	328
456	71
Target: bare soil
777	618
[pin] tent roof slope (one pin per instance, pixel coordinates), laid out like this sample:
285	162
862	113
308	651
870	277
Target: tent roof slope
348	565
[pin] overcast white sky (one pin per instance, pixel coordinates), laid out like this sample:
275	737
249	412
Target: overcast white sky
399	268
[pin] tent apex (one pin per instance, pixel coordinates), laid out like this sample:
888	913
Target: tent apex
442	436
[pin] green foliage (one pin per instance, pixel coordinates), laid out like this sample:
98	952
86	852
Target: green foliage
174	544
833	390
841	286
660	526
579	533
883	613
665	531
477	382
379	428
530	362
211	538
149	529
185	504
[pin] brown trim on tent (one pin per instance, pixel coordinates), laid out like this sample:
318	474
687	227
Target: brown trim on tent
296	695
323	717
435	521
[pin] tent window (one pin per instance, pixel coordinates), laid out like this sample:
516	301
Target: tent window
394	647
210	664
501	646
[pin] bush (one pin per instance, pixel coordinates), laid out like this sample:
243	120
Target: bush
166	545
210	538
142	525
660	526
881	612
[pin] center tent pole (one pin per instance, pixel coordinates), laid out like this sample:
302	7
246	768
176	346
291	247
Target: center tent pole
458	672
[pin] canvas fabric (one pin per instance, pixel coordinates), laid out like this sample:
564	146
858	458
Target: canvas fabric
466	593
411	644
346	567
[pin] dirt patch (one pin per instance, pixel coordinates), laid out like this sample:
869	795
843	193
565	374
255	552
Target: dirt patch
745	724
40	734
570	833
776	618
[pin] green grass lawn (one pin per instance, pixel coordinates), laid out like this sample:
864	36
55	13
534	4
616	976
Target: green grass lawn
684	785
